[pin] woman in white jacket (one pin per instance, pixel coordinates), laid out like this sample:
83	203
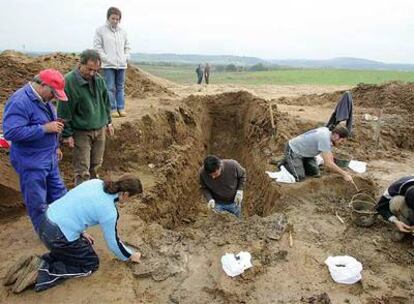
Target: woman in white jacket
112	44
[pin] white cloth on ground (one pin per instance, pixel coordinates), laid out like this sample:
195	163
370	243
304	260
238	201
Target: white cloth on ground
282	176
344	269
319	160
354	165
358	166
234	265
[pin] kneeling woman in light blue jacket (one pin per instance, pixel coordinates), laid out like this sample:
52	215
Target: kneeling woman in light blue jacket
93	202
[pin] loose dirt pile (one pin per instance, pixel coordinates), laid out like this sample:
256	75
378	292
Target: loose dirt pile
394	97
16	69
10	200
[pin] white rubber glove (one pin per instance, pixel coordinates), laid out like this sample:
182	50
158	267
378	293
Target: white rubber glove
211	204
239	197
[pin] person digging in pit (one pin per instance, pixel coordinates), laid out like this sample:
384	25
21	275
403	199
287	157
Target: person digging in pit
300	152
62	231
222	182
396	205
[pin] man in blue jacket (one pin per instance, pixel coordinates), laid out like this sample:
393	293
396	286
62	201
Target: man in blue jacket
30	123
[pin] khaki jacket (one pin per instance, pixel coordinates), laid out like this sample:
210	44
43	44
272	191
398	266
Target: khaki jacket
113	47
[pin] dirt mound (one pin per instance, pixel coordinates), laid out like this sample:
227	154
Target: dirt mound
394	97
391	96
10	198
16	69
139	85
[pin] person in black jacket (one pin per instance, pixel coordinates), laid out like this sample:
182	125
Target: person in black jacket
200	73
396	205
343	112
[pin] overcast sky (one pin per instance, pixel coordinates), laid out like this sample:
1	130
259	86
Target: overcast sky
289	29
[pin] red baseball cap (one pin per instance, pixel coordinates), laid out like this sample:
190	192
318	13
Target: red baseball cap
4	143
55	80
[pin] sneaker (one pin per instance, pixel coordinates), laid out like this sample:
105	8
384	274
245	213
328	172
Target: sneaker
28	276
15	270
115	114
122	113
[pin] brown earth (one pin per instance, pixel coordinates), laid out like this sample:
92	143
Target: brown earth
16	69
164	143
391	96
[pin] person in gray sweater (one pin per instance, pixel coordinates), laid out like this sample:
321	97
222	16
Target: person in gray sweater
111	42
222	183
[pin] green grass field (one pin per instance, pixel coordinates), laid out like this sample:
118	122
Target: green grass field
186	75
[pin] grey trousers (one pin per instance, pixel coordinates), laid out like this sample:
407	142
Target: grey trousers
299	166
88	154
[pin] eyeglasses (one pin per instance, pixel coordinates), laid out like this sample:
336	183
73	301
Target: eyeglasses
53	92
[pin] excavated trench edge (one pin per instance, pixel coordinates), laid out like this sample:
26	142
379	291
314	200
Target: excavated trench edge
230	125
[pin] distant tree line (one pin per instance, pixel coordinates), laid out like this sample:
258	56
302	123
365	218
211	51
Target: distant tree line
242	68
231	67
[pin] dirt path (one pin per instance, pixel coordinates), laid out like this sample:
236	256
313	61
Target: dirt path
182	243
264	91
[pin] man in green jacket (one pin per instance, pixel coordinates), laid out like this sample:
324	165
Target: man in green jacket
86	115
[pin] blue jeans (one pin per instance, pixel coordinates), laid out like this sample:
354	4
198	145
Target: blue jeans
231	208
115	82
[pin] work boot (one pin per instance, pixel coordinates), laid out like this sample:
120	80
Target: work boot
28	275
114	114
15	270
122	113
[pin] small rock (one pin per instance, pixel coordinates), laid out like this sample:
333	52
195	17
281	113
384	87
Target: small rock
142	272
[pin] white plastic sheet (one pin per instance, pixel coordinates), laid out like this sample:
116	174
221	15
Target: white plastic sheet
358	166
234	265
282	176
344	269
354	165
319	160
